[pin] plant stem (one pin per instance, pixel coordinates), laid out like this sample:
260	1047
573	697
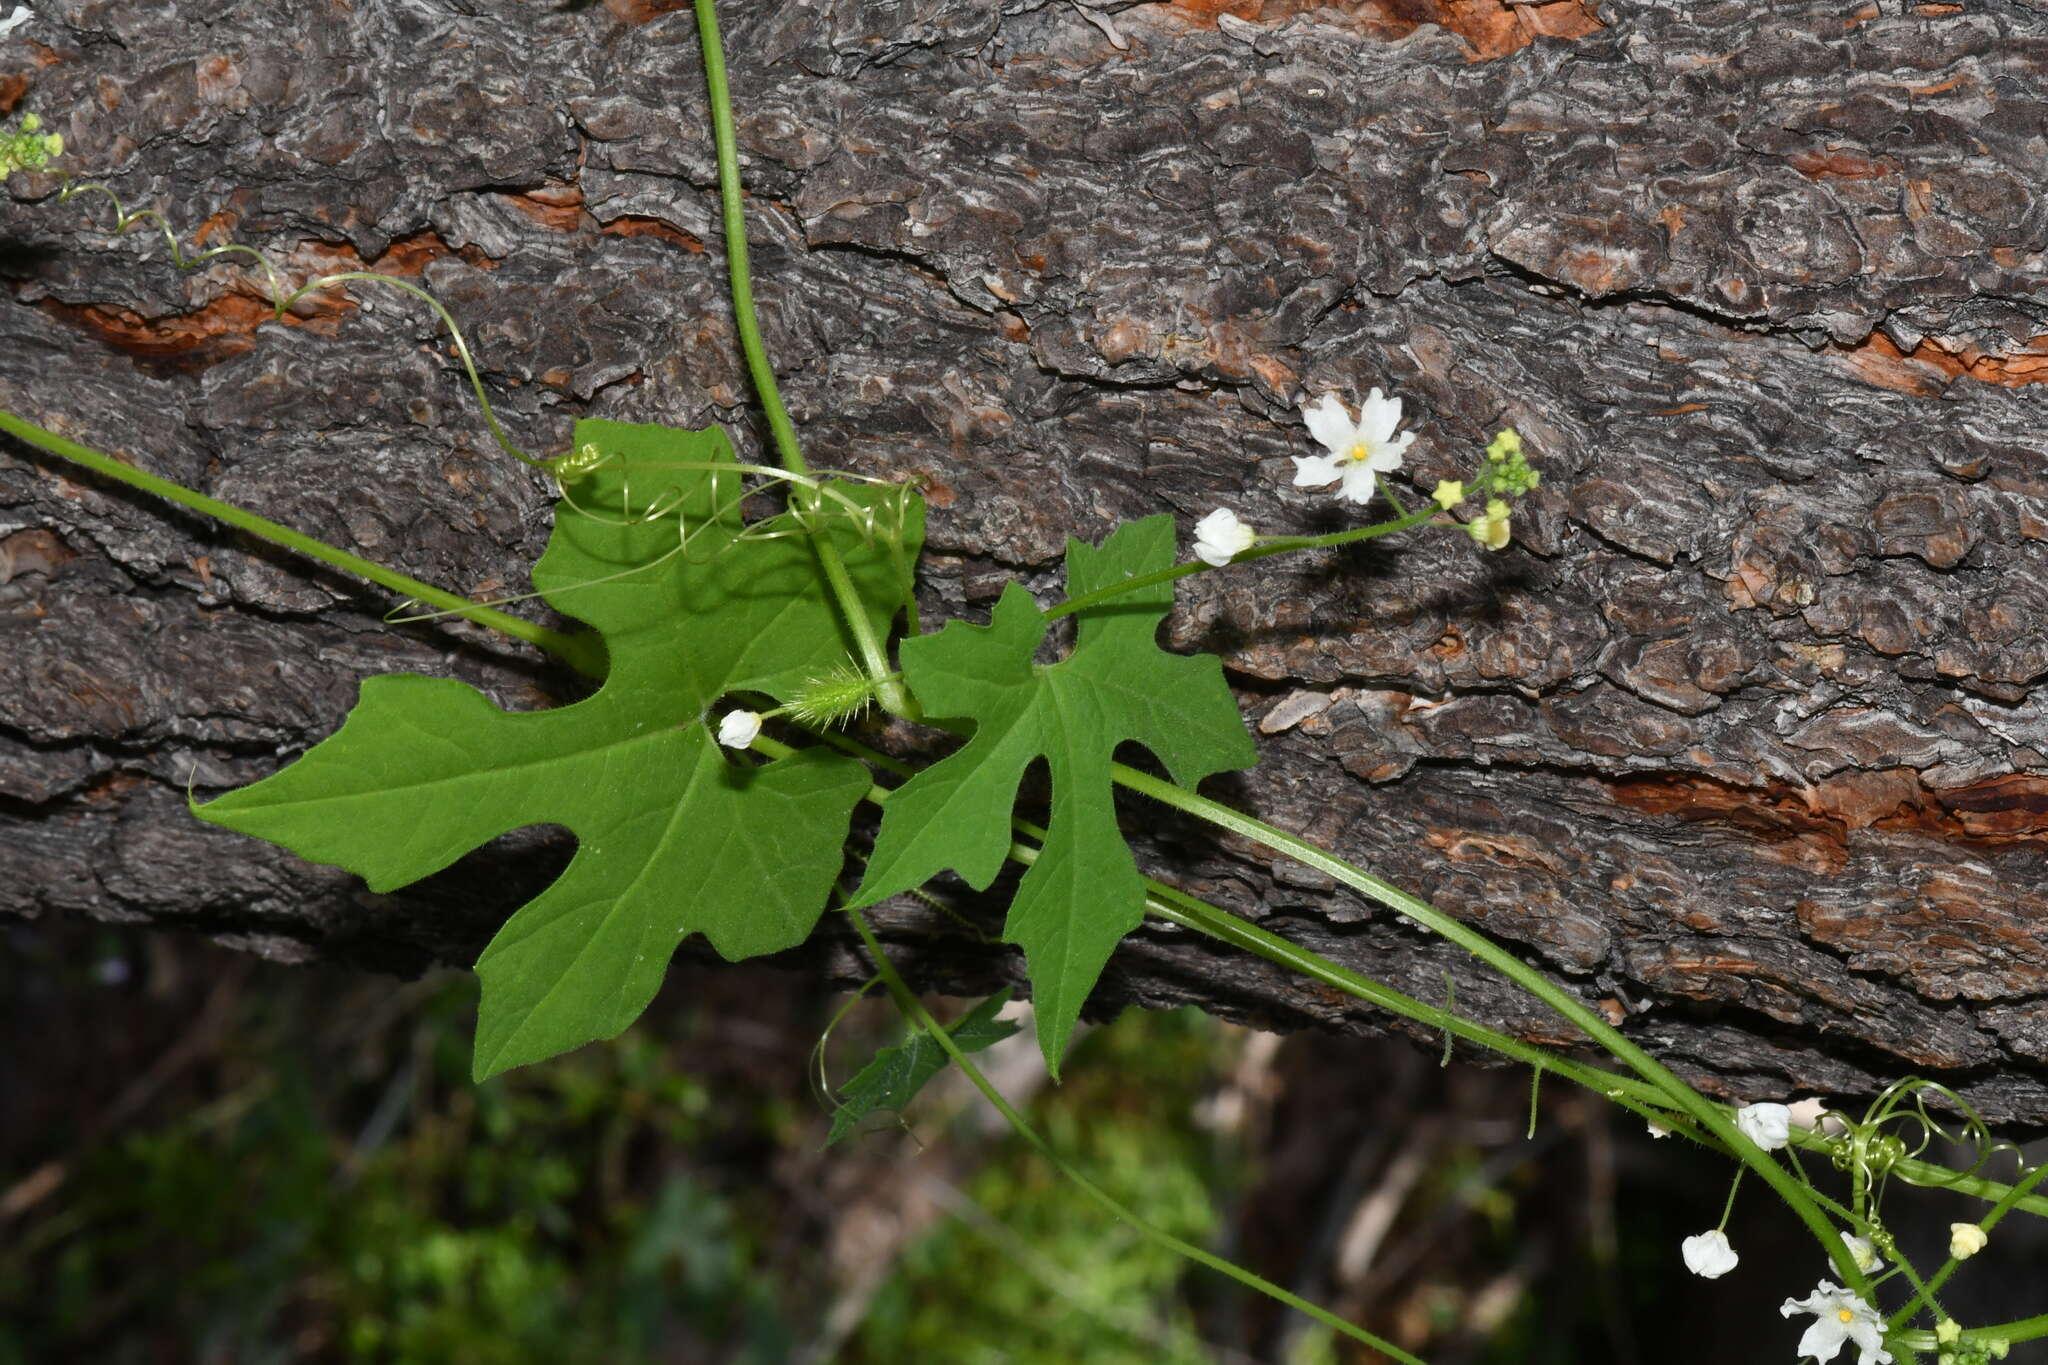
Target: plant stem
583	651
1277	546
1676	1091
1191	912
915	1012
891	692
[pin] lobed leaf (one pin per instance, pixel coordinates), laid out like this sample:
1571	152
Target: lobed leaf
1083	894
673	836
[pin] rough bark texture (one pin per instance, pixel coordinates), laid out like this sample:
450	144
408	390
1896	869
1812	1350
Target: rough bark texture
1744	736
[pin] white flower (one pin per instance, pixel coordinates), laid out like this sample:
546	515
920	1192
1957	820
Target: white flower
1864	1254
1360	451
1658	1130
22	14
1708	1254
1839	1316
738	729
1965	1240
1220	537
1769	1126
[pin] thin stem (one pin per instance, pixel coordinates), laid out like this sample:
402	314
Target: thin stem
281	300
893	696
1279	545
476	382
583	652
1190	912
1925	1295
1707	1115
914	1010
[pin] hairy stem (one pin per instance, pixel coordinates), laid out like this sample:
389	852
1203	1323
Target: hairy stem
584	652
1676	1091
890	691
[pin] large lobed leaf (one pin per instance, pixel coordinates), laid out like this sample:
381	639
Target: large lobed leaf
673	837
1083	894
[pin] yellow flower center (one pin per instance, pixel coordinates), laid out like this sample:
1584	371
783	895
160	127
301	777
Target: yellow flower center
1358	452
1845	1315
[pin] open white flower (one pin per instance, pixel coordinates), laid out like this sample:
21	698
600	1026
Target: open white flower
1769	1126
1220	537
1864	1254
1839	1316
1708	1254
1360	451
739	728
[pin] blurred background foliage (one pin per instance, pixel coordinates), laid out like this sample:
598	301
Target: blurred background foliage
209	1158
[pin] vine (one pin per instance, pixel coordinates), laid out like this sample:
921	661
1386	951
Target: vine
711	791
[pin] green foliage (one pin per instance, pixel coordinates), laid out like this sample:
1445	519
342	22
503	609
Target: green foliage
892	1078
673	837
1084	893
1029	1272
495	1224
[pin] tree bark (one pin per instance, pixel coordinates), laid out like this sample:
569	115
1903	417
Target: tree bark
1743	736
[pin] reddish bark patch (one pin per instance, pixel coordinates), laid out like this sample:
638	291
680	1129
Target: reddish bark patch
12	88
631	225
637	12
1491	28
1838	165
1936	362
558	208
193	341
1998	810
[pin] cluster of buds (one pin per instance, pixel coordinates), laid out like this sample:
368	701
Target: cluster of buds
1504	476
27	148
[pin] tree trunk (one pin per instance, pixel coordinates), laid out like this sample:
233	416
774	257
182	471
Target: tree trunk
1741	736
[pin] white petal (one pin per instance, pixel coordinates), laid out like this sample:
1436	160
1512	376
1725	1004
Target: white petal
1330	423
1388	457
739	729
1769	1126
1824	1338
1313	471
1708	1254
1359	481
1379	416
1220	537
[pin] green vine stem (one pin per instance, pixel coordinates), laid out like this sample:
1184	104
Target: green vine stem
281	300
1677	1092
889	690
915	1012
1279	545
583	652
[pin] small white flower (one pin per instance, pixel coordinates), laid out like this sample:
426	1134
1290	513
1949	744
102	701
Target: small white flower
1708	1254
22	14
1360	451
1864	1254
1839	1316
1769	1126
1658	1130
1220	537
738	729
1965	1240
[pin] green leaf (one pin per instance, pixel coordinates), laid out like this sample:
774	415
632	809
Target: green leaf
892	1078
1084	893
673	836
